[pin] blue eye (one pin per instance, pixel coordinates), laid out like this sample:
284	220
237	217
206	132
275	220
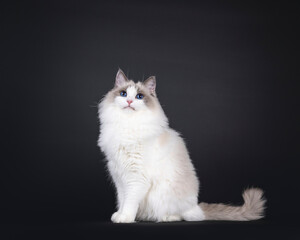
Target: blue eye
139	96
123	93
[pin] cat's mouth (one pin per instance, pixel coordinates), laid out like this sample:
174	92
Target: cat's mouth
129	107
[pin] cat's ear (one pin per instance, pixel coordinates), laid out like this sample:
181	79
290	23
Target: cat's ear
121	78
150	83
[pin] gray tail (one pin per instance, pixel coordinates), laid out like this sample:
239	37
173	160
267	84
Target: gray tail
252	209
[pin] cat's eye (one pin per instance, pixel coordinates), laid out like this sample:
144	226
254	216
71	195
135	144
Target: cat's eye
139	96
123	93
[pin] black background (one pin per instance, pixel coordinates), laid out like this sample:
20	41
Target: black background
227	79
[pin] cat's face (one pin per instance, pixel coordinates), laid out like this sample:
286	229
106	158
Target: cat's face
133	97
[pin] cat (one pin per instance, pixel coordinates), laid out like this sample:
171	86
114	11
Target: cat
149	163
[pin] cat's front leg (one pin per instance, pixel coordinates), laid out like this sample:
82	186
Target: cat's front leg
120	200
134	191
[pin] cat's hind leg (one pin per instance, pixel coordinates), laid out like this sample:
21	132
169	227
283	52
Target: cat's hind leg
194	214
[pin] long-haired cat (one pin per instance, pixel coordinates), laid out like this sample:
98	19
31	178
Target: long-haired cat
149	164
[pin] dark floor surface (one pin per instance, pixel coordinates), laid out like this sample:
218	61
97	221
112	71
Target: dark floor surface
57	229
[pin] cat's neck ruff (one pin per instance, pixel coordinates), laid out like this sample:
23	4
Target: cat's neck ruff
129	125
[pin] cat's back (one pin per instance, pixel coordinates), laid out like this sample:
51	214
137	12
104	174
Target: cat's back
166	149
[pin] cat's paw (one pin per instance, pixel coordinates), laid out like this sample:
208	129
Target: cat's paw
113	217
122	218
171	218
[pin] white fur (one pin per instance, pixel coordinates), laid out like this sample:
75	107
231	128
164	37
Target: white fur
148	162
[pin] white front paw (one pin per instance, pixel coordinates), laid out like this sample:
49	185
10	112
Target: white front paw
113	217
122	218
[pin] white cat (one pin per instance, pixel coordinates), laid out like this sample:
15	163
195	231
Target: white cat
150	165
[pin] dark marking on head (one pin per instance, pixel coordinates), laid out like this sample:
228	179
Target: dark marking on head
116	90
147	88
148	97
150	84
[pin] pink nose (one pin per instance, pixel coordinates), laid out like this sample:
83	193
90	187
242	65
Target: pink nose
129	102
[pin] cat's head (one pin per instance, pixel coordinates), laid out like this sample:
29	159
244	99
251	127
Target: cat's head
132	97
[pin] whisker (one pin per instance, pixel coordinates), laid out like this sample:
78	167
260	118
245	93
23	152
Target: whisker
96	104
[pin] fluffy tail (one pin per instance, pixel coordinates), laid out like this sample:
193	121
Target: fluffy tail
253	208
